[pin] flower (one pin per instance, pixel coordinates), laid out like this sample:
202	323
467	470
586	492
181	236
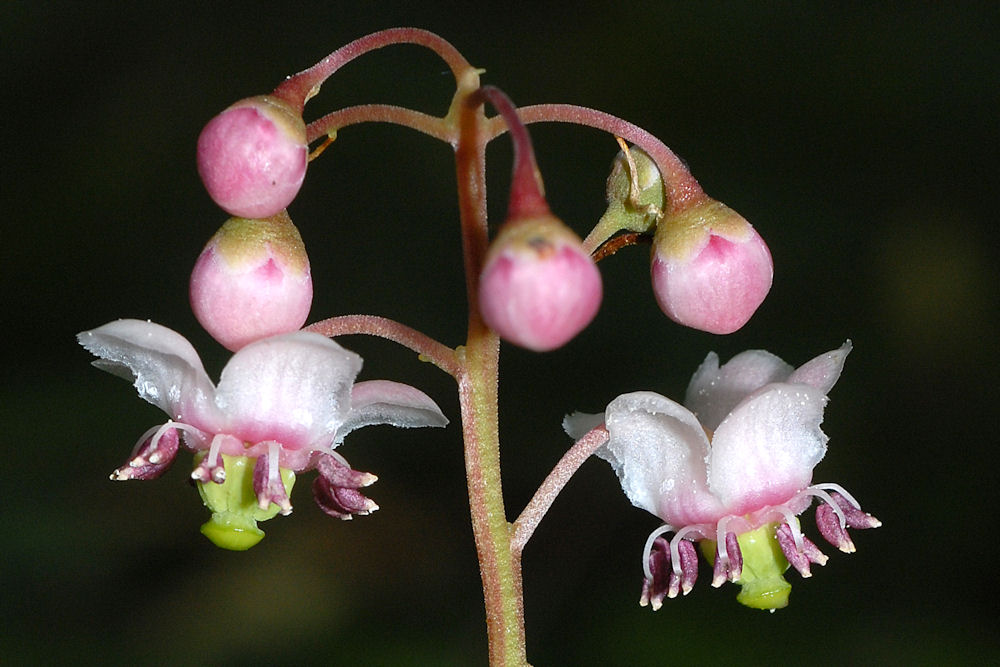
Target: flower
281	407
731	469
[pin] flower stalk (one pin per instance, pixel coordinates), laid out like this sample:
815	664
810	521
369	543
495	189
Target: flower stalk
500	568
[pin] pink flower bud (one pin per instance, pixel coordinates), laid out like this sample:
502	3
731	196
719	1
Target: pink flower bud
252	281
539	287
710	268
252	157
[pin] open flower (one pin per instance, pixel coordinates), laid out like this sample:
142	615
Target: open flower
731	469
282	405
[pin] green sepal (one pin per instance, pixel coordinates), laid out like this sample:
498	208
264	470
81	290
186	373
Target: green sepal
625	213
233	504
761	580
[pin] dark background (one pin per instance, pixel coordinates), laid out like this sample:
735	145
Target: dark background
860	140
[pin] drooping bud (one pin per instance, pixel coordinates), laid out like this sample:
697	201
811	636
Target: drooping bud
252	281
710	268
252	156
539	287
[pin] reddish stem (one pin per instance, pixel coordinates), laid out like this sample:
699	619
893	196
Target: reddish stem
429	349
297	89
379	113
546	494
682	190
499	567
526	190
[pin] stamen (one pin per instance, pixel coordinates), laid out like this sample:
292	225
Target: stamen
793	525
675	555
272	462
211	468
818	492
155	455
839	489
187	429
134	460
665	528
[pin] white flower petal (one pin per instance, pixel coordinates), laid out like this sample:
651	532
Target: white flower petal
164	367
658	450
713	391
823	371
294	388
765	450
394	403
579	424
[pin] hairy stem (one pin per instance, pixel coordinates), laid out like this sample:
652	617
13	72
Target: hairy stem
682	190
526	189
429	349
546	494
499	568
297	89
379	113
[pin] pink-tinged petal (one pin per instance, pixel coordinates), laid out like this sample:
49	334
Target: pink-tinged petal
764	452
384	402
162	364
713	391
823	371
658	449
293	388
710	268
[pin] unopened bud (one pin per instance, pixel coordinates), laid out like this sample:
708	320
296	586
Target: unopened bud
252	281
252	157
539	287
710	268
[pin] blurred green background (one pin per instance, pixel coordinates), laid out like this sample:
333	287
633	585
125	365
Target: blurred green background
860	139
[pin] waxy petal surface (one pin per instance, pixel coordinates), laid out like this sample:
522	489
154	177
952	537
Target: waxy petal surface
384	402
294	389
764	452
823	371
165	369
658	450
713	391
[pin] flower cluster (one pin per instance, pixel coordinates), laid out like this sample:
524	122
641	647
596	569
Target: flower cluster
730	469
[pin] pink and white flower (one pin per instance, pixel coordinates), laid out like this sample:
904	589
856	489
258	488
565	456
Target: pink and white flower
286	401
731	468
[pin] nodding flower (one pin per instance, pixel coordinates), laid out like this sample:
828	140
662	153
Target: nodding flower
731	470
282	406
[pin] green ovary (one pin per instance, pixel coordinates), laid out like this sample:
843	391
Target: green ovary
234	504
763	587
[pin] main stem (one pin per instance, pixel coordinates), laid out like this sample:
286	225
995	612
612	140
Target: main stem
499	567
